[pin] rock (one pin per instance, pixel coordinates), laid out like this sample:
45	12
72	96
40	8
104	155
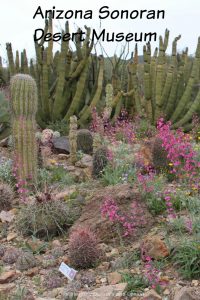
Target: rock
6	288
55	244
151	295
61	144
104	293
187	293
66	193
114	278
114	252
4	142
6	216
8	276
36	244
85	162
63	156
32	272
195	283
91	212
11	236
154	247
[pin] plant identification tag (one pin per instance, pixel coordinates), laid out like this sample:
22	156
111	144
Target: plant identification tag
67	271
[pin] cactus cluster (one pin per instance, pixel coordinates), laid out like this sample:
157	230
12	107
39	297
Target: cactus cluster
73	82
83	248
53	280
6	196
24	107
25	261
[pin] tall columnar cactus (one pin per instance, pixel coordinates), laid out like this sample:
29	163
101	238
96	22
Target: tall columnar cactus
73	139
24	107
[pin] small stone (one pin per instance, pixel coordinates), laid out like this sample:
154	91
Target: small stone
104	293
6	216
103	280
6	288
11	236
63	156
154	247
32	272
85	162
114	278
61	144
114	252
151	295
8	277
166	292
56	243
195	283
187	293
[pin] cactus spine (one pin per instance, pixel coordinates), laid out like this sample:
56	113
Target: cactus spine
24	108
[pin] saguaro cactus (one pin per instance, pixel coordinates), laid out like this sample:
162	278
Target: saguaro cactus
24	107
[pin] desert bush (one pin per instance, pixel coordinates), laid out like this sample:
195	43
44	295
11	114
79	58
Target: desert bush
83	248
45	217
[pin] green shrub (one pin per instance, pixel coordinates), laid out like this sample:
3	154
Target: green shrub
187	259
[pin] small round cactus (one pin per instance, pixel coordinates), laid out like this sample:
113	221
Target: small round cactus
11	255
100	160
57	252
53	280
85	141
6	196
25	261
49	261
83	248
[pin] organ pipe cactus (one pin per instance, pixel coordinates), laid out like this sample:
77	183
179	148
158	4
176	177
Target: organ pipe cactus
24	108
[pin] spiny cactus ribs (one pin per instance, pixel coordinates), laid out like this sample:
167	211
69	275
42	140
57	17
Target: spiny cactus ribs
24	108
85	141
25	261
83	248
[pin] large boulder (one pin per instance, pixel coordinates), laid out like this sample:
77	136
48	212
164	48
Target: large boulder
61	144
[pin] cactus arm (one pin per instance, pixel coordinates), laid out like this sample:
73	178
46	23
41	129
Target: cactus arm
10	58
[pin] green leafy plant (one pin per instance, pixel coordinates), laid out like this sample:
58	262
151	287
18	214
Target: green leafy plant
135	283
38	250
187	259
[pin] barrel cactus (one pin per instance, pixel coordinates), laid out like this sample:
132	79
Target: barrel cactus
85	141
100	160
24	108
159	155
6	196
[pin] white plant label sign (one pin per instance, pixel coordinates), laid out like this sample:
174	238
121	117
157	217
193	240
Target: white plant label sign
70	273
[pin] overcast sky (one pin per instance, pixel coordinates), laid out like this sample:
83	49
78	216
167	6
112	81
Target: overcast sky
182	17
